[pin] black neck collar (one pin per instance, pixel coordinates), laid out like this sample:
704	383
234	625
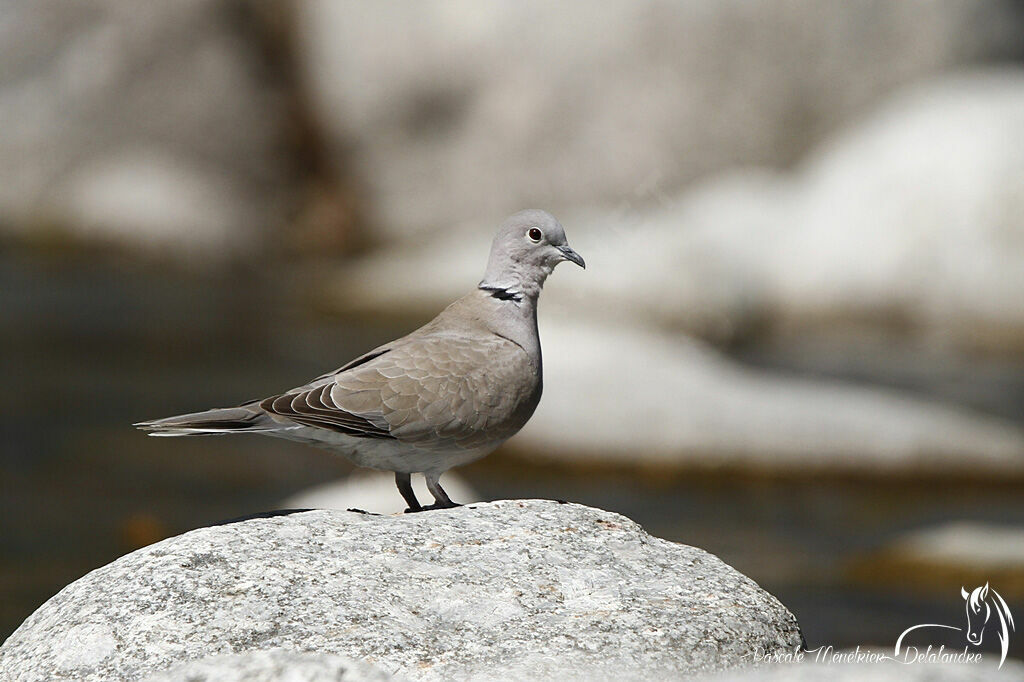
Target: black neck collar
503	294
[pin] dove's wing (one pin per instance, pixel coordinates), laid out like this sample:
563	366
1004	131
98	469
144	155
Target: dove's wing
444	390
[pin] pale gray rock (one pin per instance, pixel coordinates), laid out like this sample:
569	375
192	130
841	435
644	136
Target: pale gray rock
513	589
374	491
274	665
482	108
151	125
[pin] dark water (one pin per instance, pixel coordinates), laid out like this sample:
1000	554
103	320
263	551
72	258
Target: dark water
90	345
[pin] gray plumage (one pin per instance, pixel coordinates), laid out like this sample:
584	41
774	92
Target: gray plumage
446	394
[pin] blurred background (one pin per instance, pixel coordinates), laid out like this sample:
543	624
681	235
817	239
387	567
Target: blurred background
798	344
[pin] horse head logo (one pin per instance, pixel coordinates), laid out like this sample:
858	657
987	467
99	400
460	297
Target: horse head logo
978	612
981	604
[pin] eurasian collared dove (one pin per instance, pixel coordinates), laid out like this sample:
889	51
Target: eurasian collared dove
446	394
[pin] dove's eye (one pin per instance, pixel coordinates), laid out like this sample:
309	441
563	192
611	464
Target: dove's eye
535	235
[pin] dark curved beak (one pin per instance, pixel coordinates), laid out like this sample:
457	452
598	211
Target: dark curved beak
571	255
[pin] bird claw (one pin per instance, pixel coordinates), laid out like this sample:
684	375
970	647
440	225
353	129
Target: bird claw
443	505
431	507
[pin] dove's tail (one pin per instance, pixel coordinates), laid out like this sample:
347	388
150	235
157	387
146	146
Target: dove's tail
248	418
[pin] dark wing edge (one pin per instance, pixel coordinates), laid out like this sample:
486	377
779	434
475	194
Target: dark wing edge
315	408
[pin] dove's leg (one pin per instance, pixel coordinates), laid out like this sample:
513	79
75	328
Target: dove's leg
404	483
441	499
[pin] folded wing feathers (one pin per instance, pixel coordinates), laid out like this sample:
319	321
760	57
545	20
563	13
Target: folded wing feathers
436	393
315	408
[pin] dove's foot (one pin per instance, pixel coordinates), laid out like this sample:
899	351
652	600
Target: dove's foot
441	499
442	505
431	507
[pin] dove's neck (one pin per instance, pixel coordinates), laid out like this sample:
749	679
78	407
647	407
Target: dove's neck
510	312
513	281
509	292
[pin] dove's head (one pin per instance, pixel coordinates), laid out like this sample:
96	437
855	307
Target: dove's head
526	249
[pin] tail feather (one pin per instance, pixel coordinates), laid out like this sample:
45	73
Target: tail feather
218	421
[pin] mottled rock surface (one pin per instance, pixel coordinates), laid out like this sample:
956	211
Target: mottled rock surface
517	589
274	665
